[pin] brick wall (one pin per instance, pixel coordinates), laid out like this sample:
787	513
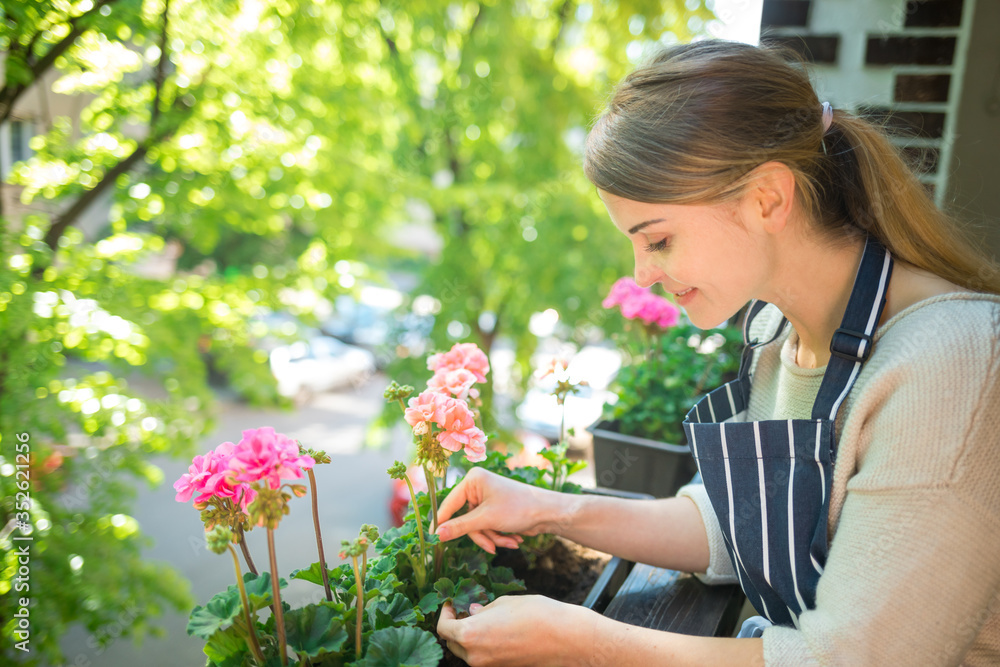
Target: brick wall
898	62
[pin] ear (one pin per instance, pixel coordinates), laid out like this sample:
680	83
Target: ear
769	196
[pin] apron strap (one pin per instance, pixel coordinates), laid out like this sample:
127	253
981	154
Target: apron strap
852	342
753	310
746	359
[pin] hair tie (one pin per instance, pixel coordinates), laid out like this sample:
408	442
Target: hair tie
827	116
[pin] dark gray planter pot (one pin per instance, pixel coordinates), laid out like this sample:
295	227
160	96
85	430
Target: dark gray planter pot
628	463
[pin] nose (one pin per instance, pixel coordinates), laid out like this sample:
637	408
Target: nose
646	274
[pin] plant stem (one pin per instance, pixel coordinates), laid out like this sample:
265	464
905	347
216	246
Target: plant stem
422	571
319	536
254	646
246	554
279	613
432	491
359	584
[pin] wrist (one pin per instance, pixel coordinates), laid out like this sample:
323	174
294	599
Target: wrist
555	512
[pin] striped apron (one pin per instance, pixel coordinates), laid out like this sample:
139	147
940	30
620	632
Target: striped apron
769	481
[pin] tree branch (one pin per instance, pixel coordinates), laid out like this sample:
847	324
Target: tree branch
70	215
564	11
10	93
161	68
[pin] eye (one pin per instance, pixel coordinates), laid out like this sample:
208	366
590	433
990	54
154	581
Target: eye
658	246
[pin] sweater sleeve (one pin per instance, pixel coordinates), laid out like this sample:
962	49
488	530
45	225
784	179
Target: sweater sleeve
720	565
912	575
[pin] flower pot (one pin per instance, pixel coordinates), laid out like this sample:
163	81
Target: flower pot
630	463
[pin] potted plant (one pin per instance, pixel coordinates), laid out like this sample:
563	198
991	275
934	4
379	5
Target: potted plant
379	605
639	443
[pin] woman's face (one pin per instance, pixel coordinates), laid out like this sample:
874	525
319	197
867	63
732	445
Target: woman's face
704	255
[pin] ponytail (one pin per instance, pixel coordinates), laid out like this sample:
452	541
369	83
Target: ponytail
867	182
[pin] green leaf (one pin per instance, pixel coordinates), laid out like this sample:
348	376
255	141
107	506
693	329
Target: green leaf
383	588
462	594
402	647
218	614
396	536
430	603
316	630
380	567
258	588
503	581
314	575
226	648
394	611
474	562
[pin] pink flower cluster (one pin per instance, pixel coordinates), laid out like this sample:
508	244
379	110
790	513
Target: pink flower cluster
230	471
456	423
640	303
465	356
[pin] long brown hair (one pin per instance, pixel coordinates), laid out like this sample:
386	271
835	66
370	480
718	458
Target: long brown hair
692	124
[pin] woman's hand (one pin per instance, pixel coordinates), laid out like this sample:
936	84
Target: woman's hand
497	505
517	630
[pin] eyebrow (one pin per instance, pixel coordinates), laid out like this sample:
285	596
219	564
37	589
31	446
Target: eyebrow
643	225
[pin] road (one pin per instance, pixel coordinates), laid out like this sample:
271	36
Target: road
353	489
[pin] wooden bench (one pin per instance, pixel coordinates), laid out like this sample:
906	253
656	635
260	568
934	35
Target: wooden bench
653	597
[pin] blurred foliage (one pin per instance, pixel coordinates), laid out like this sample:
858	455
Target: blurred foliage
285	152
666	372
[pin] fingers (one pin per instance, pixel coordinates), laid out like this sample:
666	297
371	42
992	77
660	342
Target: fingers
455	500
447	628
489	540
502	540
446	617
484	542
475	608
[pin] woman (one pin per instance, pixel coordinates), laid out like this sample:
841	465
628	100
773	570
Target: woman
851	483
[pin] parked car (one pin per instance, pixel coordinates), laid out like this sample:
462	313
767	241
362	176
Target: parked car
376	323
540	411
318	363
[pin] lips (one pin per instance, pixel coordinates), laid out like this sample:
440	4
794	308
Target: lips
684	297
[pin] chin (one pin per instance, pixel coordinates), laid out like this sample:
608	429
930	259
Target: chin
708	320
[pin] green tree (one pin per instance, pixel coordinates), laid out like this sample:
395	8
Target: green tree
279	144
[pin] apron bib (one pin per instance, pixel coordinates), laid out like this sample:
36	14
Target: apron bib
769	481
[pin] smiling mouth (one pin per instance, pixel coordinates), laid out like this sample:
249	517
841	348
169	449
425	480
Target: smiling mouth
683	292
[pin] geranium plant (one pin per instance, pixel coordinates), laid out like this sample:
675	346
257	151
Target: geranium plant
379	605
669	363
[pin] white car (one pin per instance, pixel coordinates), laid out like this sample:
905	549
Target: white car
319	363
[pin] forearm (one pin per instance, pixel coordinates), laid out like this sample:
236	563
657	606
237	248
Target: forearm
605	642
667	533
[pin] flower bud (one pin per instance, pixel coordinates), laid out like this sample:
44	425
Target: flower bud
421	428
397	470
218	539
396	392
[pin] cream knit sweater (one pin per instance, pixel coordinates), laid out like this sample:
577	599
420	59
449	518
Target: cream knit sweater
913	574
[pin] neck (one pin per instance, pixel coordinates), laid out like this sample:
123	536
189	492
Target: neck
813	284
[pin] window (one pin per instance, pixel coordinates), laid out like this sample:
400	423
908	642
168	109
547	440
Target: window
21	132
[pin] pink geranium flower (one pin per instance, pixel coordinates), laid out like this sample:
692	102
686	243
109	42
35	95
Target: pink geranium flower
460	431
264	455
639	303
461	355
427	408
209	475
457	383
